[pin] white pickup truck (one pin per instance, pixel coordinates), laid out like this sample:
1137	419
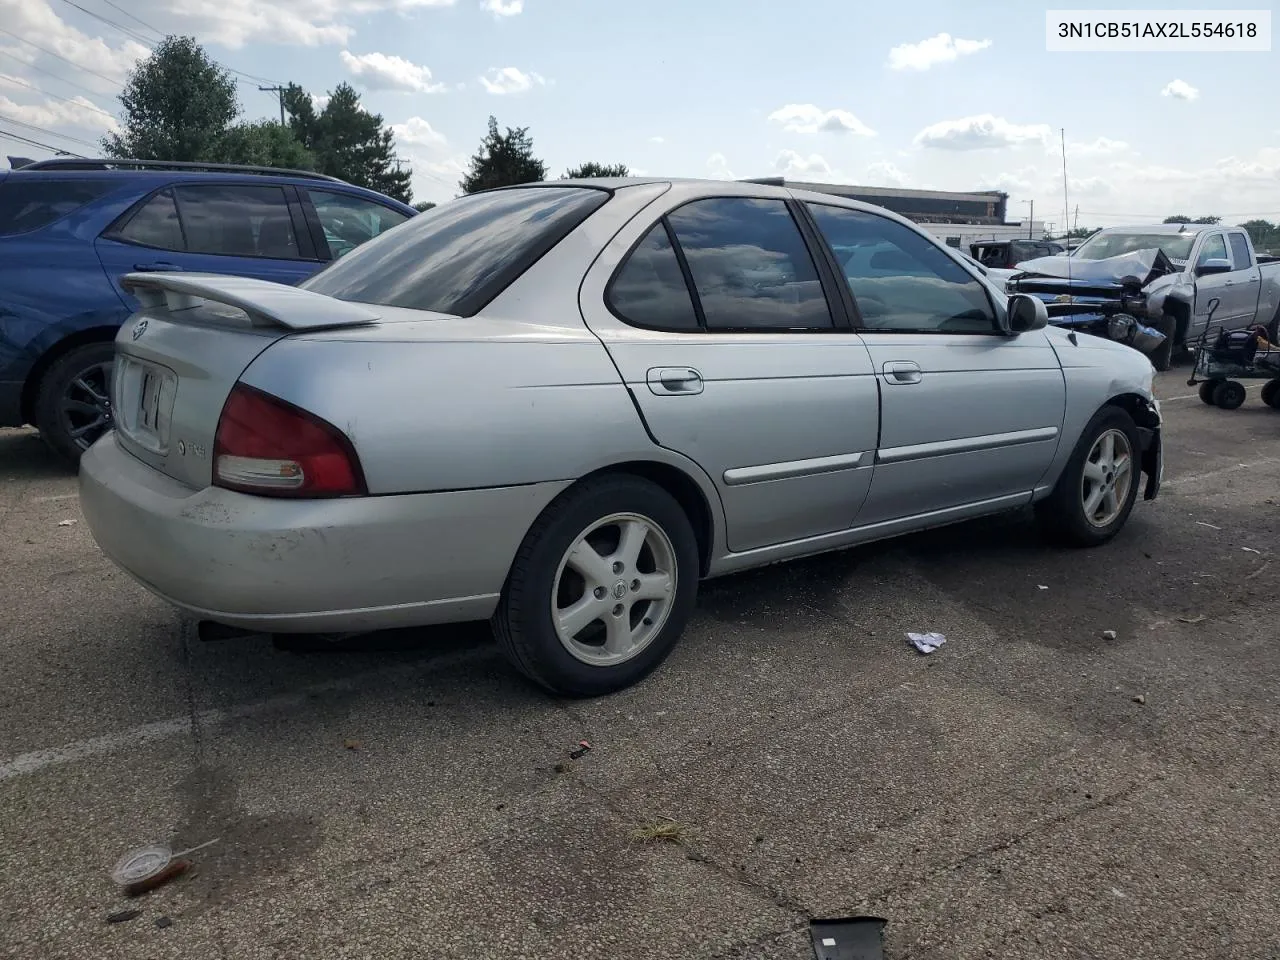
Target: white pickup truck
1199	263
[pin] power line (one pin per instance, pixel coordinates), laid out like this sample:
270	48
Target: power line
59	56
133	18
51	133
9	135
56	96
50	73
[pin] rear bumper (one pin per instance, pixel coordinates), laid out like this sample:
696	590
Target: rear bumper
297	566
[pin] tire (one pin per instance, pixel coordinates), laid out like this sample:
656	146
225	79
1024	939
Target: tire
73	407
1063	514
1229	394
1271	394
1206	391
1162	356
588	520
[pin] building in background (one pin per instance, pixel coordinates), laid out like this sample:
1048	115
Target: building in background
959	219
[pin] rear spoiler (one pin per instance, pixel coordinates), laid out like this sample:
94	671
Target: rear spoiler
266	304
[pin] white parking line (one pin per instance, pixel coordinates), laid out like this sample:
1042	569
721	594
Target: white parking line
60	496
1196	396
156	730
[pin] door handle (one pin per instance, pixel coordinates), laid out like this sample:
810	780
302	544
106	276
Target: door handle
902	371
674	381
159	267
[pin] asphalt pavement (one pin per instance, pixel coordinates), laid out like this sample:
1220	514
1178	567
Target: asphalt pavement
1032	790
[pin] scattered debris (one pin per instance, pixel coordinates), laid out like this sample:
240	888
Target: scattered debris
1140	699
162	922
66	523
582	749
1260	571
123	916
1042	586
1251	550
1198	618
666	832
926	642
1109	634
351	743
852	938
146	868
1211	526
563	766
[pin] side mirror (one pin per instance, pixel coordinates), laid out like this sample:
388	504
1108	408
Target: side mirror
1212	266
1026	313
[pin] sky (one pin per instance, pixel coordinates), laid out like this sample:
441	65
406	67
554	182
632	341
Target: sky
928	94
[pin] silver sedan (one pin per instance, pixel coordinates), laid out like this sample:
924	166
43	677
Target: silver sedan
562	405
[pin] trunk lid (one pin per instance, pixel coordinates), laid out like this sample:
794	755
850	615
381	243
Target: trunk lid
178	357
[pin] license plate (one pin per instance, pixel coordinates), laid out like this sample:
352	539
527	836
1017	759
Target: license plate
143	402
149	408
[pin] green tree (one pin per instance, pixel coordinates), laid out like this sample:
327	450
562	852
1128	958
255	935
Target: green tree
177	102
1264	234
263	143
423	206
592	169
347	141
503	160
1209	220
1177	218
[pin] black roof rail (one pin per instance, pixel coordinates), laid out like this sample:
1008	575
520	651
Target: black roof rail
766	181
70	163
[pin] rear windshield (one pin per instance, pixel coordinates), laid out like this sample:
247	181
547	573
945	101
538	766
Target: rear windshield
458	256
28	204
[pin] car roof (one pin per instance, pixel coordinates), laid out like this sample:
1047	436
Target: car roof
1170	228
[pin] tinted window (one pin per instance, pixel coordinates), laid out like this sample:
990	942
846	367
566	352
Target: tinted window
1214	249
750	266
349	221
899	279
155	224
239	221
458	256
27	204
649	290
1240	251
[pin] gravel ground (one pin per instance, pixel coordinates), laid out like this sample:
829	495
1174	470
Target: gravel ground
1031	790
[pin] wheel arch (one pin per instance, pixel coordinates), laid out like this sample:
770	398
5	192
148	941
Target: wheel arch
31	386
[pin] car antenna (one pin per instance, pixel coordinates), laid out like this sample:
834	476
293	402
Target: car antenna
1066	203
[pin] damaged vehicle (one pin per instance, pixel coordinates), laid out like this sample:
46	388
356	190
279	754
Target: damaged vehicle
1150	286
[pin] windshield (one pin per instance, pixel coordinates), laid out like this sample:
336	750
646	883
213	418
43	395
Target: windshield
458	256
1176	246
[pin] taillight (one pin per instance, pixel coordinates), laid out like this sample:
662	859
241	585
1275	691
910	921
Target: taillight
267	446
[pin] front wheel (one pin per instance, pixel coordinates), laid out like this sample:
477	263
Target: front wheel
1229	395
73	403
601	588
1096	492
1162	356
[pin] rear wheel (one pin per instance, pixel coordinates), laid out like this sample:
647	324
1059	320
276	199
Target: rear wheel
601	588
1206	391
1096	492
73	404
1271	394
1229	394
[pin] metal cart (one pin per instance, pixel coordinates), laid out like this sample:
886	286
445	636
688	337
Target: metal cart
1224	358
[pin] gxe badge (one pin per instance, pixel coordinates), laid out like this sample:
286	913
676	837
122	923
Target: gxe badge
139	329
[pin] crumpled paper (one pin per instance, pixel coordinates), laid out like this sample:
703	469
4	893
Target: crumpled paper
926	642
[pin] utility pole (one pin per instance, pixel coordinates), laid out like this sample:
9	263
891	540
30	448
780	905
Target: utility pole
279	92
1031	218
1076	225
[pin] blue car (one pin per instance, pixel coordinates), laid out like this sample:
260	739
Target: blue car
70	229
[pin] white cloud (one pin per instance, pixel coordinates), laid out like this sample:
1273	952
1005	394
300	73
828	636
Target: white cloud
319	101
657	139
883	173
807	118
504	80
1180	90
1102	146
380	71
792	164
980	132
418	132
503	8
942	48
719	167
79	112
35	20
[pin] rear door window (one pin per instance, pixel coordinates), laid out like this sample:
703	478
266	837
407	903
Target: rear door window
154	224
239	220
28	203
458	256
1240	251
349	221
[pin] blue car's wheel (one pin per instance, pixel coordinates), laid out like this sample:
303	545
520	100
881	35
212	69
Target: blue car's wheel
73	406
